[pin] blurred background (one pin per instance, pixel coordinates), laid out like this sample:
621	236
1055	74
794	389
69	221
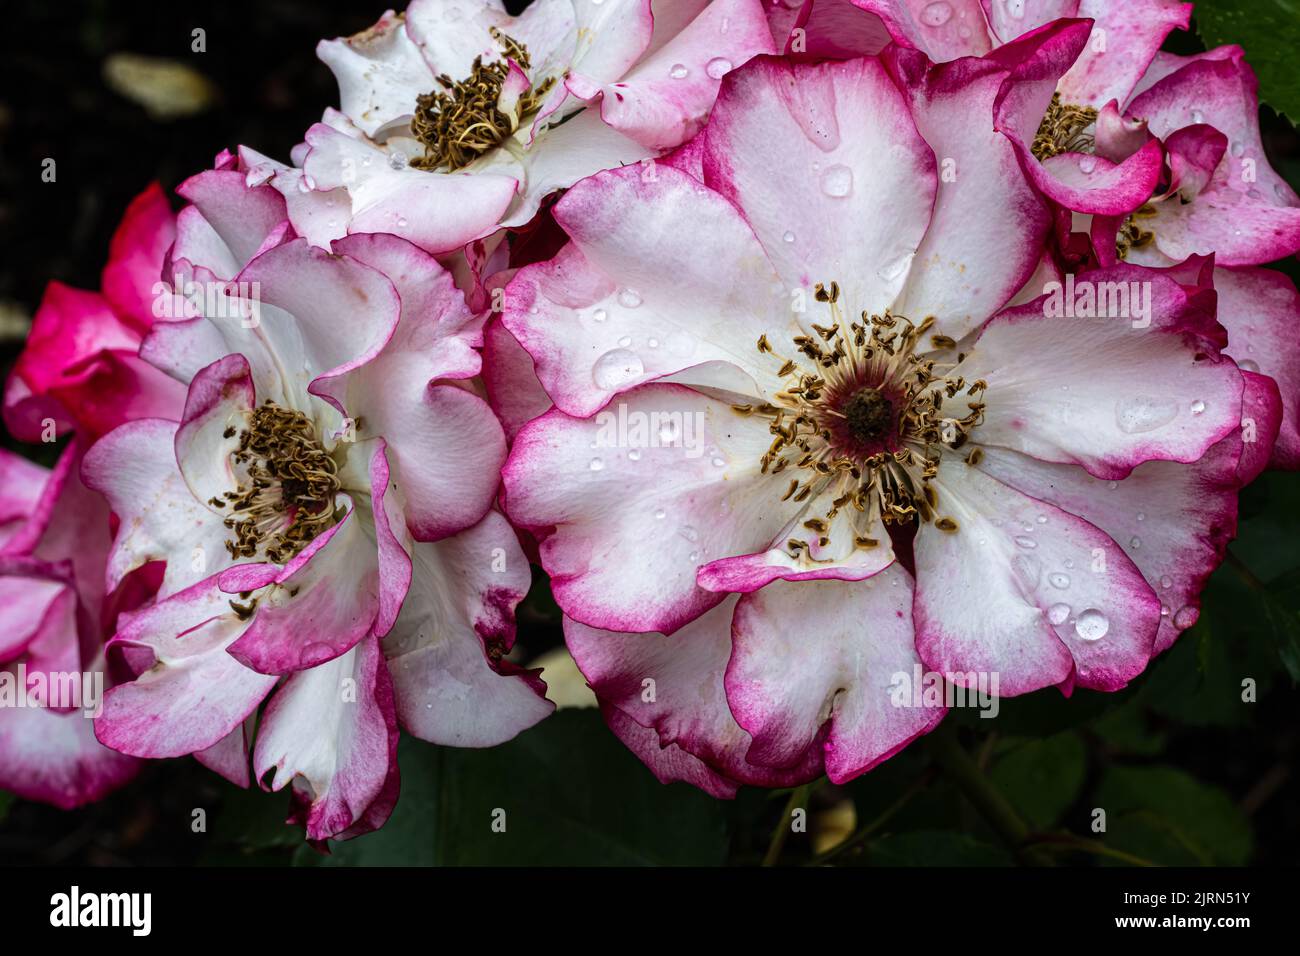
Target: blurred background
1188	773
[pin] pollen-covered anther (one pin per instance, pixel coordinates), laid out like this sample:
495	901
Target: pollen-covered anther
1131	235
861	417
1064	129
286	495
464	120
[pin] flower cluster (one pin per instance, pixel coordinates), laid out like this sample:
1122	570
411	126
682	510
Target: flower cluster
879	339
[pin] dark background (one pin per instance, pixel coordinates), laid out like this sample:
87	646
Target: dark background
1189	773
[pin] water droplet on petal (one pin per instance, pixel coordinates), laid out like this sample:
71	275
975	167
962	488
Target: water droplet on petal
1091	625
1238	148
660	514
719	463
1249	365
596	465
689	533
1087	164
936	14
1198	116
397	160
634	455
718	67
1166	582
1015	9
1144	413
616	367
789	236
1058	580
679	71
1198	406
1058	614
1135	542
1027	543
629	298
600	315
1041	519
837	181
625	341
1186	617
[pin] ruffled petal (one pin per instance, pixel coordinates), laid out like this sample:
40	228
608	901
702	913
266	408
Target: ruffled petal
447	652
988	599
831	652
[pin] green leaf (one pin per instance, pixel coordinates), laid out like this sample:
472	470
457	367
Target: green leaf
934	848
1164	815
567	792
253	820
1126	730
6	801
1199	681
1269	30
1042	778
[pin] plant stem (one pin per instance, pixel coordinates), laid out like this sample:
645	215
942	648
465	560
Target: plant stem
798	798
982	795
919	784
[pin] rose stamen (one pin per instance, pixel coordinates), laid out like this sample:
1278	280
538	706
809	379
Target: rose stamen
461	122
286	497
861	417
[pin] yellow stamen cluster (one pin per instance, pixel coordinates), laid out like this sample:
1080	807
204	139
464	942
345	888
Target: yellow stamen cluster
286	497
861	417
1063	130
462	121
1131	235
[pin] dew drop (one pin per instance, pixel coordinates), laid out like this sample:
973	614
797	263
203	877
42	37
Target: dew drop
652	342
1198	116
1238	148
892	270
1249	365
1058	580
936	14
1198	406
1087	164
629	298
719	463
689	533
718	67
625	341
1027	543
1135	542
660	514
401	222
397	160
1144	413
1041	519
597	465
1164	610
600	315
1016	9
1091	625
679	71
789	236
837	181
1186	616
1166	582
616	367
634	455
1058	614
